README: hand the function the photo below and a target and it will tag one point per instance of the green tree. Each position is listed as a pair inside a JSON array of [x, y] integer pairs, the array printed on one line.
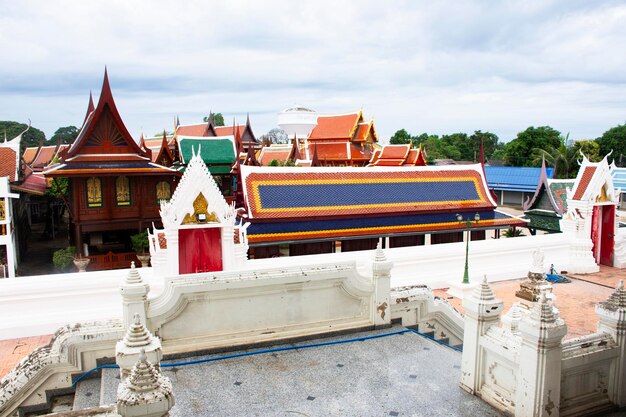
[[560, 158], [66, 135], [614, 140], [519, 152], [33, 137], [490, 144], [218, 119], [457, 146], [590, 148], [401, 137]]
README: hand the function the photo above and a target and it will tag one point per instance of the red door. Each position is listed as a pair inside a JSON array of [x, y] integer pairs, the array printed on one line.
[[606, 237], [199, 250]]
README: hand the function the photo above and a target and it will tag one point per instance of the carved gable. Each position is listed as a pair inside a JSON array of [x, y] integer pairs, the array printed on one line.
[[197, 199]]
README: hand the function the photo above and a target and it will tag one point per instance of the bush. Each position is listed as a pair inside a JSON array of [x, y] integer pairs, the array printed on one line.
[[510, 233], [139, 242], [63, 258]]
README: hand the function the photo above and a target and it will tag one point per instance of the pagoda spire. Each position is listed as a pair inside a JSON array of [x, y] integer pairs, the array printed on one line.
[[294, 155], [251, 157], [90, 107], [315, 162]]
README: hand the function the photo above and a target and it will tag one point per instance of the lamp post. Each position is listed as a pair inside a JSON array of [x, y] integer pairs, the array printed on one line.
[[468, 224]]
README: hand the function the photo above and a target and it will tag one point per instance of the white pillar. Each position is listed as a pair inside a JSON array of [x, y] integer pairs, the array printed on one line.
[[482, 310], [381, 276], [171, 234], [134, 297], [539, 383], [612, 320]]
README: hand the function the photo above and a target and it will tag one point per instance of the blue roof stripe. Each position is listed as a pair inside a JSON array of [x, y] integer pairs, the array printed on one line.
[[324, 195]]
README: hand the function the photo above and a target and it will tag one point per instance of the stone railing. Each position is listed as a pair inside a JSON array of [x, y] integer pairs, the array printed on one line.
[[73, 349], [211, 310], [525, 369]]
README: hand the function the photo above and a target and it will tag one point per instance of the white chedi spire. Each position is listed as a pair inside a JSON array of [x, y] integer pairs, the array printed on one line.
[[617, 300], [137, 334], [145, 392], [133, 276], [484, 292], [543, 312]]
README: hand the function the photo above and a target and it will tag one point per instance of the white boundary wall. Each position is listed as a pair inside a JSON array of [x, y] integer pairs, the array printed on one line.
[[95, 295]]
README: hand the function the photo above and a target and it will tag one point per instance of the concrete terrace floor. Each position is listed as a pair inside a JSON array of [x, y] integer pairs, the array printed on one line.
[[576, 301], [398, 375]]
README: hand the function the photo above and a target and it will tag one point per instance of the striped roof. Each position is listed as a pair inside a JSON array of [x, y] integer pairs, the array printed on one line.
[[371, 226], [294, 193], [278, 152]]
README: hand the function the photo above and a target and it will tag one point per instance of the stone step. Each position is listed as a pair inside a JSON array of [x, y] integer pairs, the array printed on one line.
[[108, 388], [87, 394]]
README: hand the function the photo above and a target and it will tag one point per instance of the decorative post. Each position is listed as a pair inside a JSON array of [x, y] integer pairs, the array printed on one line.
[[134, 296], [381, 276], [531, 289], [468, 224], [612, 319], [137, 339], [539, 384], [482, 310], [145, 393]]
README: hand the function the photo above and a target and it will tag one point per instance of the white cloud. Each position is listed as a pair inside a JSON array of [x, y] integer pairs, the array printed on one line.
[[425, 66]]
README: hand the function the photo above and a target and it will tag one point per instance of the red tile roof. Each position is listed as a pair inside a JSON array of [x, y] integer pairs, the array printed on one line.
[[331, 151], [584, 182], [192, 130], [228, 130], [7, 163], [33, 184], [274, 152], [29, 154], [336, 126]]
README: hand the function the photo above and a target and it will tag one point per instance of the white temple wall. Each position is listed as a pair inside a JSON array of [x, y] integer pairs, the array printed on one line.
[[437, 265]]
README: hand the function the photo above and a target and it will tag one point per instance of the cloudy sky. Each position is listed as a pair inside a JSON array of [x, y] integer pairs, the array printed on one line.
[[426, 66]]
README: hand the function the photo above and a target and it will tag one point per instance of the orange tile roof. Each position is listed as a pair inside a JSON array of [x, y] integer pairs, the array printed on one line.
[[7, 163], [412, 157], [228, 130], [270, 153], [336, 126], [29, 154], [363, 131], [331, 151], [45, 156], [192, 130], [584, 182]]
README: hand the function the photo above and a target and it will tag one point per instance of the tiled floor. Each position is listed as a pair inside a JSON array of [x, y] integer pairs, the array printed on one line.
[[14, 350], [576, 301]]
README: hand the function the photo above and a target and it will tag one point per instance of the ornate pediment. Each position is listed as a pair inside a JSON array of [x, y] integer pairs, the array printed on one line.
[[200, 213], [197, 199]]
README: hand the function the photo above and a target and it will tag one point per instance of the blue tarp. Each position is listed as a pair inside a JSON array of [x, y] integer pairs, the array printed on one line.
[[522, 179]]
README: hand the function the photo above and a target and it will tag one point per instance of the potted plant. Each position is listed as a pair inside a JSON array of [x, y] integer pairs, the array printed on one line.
[[63, 258], [139, 242]]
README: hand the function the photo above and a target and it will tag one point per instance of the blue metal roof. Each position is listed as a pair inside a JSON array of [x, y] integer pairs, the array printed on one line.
[[521, 179], [619, 178]]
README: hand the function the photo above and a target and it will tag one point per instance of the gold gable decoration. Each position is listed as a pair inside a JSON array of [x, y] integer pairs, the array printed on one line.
[[2, 211], [603, 196], [200, 210]]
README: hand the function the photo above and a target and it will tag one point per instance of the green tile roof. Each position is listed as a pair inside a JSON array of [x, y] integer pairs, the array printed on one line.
[[213, 151]]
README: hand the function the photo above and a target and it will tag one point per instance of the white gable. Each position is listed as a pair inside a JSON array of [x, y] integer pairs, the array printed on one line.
[[196, 179]]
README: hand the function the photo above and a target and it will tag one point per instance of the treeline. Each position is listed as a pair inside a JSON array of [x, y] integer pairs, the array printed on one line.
[[527, 149]]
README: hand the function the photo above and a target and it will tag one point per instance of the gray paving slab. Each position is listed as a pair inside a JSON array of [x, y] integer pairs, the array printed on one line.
[[87, 394], [108, 389], [400, 375]]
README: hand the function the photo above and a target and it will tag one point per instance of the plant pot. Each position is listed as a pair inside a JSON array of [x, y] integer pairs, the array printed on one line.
[[81, 264], [144, 258]]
